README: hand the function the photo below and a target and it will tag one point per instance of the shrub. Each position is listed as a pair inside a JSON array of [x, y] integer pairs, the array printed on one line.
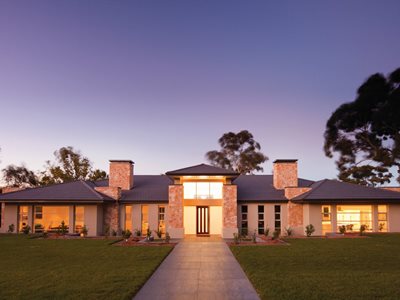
[[381, 226], [266, 231], [107, 230], [45, 235], [84, 230], [113, 232], [138, 232], [254, 237], [167, 237], [289, 230], [63, 228], [236, 238], [363, 228], [342, 229], [126, 234], [11, 228], [276, 234], [159, 233], [349, 227], [310, 229], [26, 229], [244, 232]]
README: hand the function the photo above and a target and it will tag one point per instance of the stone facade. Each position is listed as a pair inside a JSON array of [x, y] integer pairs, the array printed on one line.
[[121, 174], [285, 174], [111, 215], [229, 211], [113, 192], [295, 211], [175, 211]]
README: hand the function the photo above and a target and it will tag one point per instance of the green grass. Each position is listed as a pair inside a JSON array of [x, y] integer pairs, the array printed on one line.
[[325, 268], [73, 269]]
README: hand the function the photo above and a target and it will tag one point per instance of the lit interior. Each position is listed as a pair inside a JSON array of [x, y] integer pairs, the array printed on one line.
[[49, 218], [353, 216], [202, 190]]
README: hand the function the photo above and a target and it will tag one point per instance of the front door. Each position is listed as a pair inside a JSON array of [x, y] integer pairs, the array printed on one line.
[[202, 220]]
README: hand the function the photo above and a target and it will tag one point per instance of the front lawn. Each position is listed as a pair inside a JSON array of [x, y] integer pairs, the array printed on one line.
[[314, 268], [73, 269]]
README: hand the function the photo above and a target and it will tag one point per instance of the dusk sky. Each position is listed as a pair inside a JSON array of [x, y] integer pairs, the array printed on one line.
[[159, 82]]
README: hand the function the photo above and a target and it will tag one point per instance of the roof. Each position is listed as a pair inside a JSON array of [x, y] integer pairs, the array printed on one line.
[[202, 169], [337, 191], [63, 192], [255, 188]]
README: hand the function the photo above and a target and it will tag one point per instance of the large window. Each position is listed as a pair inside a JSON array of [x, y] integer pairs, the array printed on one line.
[[261, 219], [277, 210], [161, 218], [128, 217], [202, 190], [353, 216], [326, 219], [145, 219], [244, 220], [79, 218], [49, 218], [22, 217], [382, 218]]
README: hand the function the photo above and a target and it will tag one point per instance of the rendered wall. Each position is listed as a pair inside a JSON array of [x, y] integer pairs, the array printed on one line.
[[90, 219], [10, 216], [215, 220], [394, 217], [312, 215], [189, 216]]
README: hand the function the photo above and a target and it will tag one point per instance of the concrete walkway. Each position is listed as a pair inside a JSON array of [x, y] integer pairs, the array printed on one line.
[[198, 270]]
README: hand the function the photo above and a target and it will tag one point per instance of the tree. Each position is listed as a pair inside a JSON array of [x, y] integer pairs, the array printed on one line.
[[364, 135], [70, 165], [239, 152], [19, 176]]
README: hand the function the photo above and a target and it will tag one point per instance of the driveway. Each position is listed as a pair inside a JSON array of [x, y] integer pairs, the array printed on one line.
[[198, 270]]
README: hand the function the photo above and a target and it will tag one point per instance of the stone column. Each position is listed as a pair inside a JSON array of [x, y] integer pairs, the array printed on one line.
[[175, 211], [375, 222], [334, 218], [71, 221], [229, 211]]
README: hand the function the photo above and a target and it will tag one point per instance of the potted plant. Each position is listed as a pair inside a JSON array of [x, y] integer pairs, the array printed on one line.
[[148, 235], [126, 234], [310, 229], [84, 231], [342, 229], [11, 228]]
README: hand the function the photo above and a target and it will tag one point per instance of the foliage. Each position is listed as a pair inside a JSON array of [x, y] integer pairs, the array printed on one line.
[[236, 238], [64, 228], [239, 152], [70, 165], [11, 228], [148, 233], [113, 232], [138, 232], [244, 232], [167, 237], [381, 226], [84, 230], [288, 230], [26, 229], [159, 233], [254, 237], [276, 234], [342, 229], [349, 227], [363, 228], [126, 234], [364, 135], [19, 176], [310, 229], [107, 230], [266, 231]]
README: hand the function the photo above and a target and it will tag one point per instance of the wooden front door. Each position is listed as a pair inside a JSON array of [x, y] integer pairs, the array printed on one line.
[[202, 220]]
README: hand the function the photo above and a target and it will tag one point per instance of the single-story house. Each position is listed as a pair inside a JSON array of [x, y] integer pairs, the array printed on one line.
[[202, 200]]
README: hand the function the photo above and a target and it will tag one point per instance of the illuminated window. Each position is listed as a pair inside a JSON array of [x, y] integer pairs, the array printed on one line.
[[261, 219], [382, 218], [49, 218], [145, 219], [79, 218], [202, 190], [161, 218], [128, 217], [353, 216], [277, 210], [23, 217], [326, 219], [244, 225]]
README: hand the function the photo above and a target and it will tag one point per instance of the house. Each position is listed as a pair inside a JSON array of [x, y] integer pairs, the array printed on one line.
[[202, 200]]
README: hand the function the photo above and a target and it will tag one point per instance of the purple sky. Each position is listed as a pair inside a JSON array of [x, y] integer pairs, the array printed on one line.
[[159, 82]]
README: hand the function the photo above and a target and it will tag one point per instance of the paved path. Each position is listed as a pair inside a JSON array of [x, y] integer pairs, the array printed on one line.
[[198, 270]]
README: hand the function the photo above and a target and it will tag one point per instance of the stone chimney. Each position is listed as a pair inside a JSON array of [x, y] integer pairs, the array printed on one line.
[[121, 174], [285, 173]]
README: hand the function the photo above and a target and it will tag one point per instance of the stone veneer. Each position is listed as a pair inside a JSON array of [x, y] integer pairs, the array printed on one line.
[[295, 211], [121, 174], [285, 174], [113, 192], [112, 217], [175, 211], [229, 211]]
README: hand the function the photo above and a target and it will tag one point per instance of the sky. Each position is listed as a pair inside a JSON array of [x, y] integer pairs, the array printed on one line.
[[158, 82]]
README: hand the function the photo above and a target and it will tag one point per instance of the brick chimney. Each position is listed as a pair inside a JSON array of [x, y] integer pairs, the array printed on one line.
[[285, 173], [121, 174]]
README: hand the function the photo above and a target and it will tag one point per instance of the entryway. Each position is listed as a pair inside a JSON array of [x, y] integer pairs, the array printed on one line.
[[202, 220]]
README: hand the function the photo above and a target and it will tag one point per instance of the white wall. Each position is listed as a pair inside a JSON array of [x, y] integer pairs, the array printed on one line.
[[10, 216], [90, 219], [394, 217], [189, 219], [215, 219]]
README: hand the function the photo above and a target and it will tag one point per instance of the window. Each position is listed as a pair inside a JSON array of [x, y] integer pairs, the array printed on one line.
[[382, 218], [326, 219], [79, 218], [277, 210], [244, 225], [161, 218], [261, 219], [22, 217], [128, 217], [49, 218], [202, 190], [145, 219], [353, 216]]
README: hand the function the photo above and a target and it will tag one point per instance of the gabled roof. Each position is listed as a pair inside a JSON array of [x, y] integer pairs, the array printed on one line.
[[255, 188], [337, 191], [202, 169], [63, 192]]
